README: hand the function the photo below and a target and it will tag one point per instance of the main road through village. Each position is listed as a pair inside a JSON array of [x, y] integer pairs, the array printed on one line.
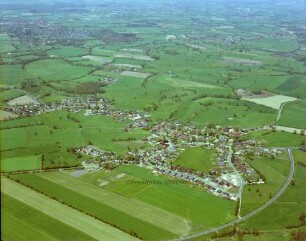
[[253, 213]]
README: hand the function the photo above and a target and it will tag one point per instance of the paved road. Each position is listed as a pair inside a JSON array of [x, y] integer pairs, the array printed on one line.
[[253, 213], [242, 182]]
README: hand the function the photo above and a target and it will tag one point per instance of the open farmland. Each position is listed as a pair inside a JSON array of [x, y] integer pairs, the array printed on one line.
[[133, 66], [24, 163], [22, 100], [186, 83], [133, 56], [242, 61], [274, 102], [136, 74], [275, 172], [4, 115], [35, 225], [54, 69], [97, 59], [67, 215], [152, 120]]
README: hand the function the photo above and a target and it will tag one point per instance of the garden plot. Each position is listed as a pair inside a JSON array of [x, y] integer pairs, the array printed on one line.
[[136, 74], [23, 100], [274, 101], [134, 56], [242, 61], [97, 59]]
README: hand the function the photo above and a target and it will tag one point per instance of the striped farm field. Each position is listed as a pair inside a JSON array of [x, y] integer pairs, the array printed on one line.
[[22, 222], [88, 227], [82, 199]]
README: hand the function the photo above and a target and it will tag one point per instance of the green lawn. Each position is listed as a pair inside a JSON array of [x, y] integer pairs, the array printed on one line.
[[196, 158], [23, 163]]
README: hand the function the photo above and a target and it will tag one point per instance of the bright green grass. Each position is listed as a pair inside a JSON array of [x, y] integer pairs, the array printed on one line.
[[21, 163], [196, 158], [227, 112], [285, 44], [293, 115], [10, 94], [7, 47], [287, 209], [276, 139], [54, 69], [22, 222], [275, 171], [183, 200], [93, 207], [12, 74], [50, 134], [68, 51]]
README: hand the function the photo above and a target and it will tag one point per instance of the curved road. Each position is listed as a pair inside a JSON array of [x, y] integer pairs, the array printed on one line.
[[253, 213]]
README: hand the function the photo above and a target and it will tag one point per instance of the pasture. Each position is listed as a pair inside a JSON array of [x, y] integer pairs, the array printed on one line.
[[293, 115], [275, 171], [54, 69], [274, 101], [288, 208], [136, 74], [276, 139], [23, 163], [134, 56], [68, 51], [197, 158], [4, 115], [22, 100]]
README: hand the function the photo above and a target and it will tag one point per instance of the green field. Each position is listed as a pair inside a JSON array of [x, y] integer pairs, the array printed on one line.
[[293, 115], [53, 69], [82, 224], [275, 171], [155, 199], [20, 221], [288, 208], [31, 138], [205, 58], [276, 139], [68, 51], [197, 158], [23, 163]]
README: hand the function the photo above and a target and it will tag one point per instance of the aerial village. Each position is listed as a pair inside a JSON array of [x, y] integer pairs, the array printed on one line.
[[167, 140]]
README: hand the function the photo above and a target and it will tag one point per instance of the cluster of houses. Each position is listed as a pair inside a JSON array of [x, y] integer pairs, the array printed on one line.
[[108, 81], [91, 105], [168, 140]]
